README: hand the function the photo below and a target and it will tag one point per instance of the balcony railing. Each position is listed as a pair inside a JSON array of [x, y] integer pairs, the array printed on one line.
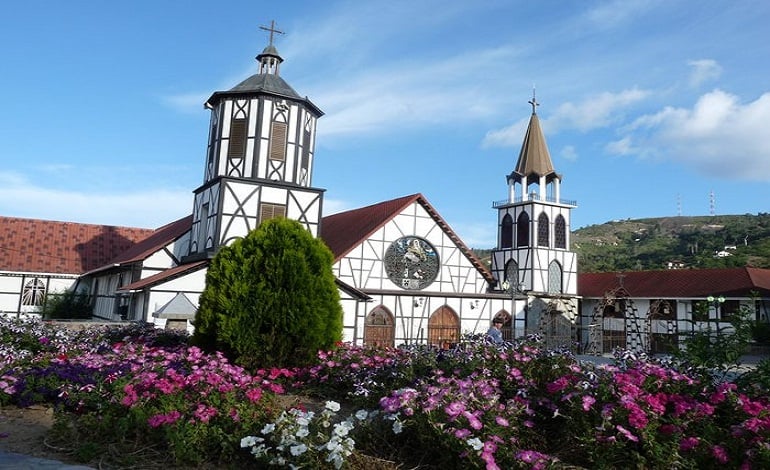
[[534, 197]]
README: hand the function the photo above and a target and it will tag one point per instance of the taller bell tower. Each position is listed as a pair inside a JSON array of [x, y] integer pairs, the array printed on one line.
[[259, 159], [532, 260]]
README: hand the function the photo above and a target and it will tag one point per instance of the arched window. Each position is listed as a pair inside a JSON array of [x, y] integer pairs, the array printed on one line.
[[542, 230], [560, 232], [522, 230], [506, 232], [512, 276], [34, 292], [443, 328], [379, 328], [554, 278]]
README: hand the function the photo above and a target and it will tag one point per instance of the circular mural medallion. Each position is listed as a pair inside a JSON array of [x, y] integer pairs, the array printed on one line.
[[411, 263]]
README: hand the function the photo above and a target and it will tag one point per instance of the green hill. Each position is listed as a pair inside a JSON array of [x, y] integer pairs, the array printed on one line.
[[718, 241]]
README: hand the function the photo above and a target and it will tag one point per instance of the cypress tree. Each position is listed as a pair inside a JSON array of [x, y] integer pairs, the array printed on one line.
[[270, 298]]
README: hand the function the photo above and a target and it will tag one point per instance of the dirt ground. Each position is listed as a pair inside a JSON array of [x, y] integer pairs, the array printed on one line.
[[23, 431]]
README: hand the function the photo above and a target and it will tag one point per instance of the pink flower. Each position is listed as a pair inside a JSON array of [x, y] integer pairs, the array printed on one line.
[[502, 421], [688, 443], [473, 420], [462, 433], [454, 409], [588, 402], [254, 394], [625, 432], [720, 454]]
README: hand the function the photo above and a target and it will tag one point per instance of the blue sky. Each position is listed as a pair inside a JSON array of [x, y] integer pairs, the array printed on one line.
[[648, 107]]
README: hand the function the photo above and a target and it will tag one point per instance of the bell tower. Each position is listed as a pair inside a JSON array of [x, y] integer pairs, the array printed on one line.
[[533, 257], [259, 158]]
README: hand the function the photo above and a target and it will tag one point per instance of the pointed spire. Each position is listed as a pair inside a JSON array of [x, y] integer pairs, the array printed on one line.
[[269, 60], [534, 158]]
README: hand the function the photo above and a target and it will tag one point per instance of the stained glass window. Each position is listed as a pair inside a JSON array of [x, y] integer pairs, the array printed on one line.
[[411, 263]]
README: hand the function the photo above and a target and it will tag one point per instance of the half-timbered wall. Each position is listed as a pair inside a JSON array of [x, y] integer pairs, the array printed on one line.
[[533, 258], [275, 140], [458, 285]]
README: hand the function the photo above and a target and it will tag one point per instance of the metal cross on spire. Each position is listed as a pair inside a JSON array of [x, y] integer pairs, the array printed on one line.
[[533, 101], [272, 30]]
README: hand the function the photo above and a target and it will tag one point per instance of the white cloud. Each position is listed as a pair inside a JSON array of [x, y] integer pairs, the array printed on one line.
[[150, 208], [509, 136], [410, 94], [703, 70], [186, 102], [719, 136], [568, 153], [615, 13], [620, 147], [597, 111]]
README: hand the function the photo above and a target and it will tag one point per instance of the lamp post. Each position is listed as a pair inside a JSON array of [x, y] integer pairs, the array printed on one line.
[[716, 302]]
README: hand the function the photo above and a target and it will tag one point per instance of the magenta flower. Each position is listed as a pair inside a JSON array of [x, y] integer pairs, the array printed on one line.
[[720, 454], [588, 402], [626, 433], [688, 443], [454, 409]]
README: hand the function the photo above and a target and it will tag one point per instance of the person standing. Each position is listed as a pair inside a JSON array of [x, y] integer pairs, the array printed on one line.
[[495, 334]]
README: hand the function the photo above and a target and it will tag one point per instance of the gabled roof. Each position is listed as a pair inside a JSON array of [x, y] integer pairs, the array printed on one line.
[[534, 158], [178, 308], [157, 240], [44, 246], [678, 283], [344, 231], [165, 276]]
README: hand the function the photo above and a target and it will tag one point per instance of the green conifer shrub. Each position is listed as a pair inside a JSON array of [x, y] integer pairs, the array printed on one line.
[[270, 298]]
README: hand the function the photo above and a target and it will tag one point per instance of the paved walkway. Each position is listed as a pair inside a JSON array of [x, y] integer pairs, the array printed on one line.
[[13, 461]]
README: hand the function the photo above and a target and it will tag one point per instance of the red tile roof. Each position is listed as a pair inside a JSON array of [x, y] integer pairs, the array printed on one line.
[[682, 283], [344, 231], [156, 241], [44, 246]]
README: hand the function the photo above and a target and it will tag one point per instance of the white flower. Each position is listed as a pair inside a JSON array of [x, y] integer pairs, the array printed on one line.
[[269, 427], [299, 449], [476, 443], [333, 406], [397, 427], [248, 441], [362, 415], [302, 432], [342, 429]]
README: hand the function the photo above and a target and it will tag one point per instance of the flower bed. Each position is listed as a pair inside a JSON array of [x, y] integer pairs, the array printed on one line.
[[475, 406]]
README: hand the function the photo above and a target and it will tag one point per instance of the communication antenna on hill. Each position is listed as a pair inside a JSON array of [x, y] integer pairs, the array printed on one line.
[[678, 204], [712, 202]]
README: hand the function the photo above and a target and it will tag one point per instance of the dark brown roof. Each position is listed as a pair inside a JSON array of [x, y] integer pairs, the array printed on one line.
[[165, 276], [344, 231], [44, 246], [678, 283]]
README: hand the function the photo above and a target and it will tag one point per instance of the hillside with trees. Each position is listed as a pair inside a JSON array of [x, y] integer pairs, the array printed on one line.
[[718, 241]]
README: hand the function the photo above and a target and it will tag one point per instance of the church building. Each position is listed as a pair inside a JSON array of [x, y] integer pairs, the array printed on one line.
[[403, 274]]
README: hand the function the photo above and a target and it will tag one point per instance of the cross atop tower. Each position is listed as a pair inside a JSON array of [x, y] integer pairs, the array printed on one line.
[[533, 101], [272, 30]]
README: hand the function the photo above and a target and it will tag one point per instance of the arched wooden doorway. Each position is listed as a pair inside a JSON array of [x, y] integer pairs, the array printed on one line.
[[443, 328], [379, 328]]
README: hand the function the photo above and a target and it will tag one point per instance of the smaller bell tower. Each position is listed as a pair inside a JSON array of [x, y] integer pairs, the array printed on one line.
[[259, 158], [532, 259]]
